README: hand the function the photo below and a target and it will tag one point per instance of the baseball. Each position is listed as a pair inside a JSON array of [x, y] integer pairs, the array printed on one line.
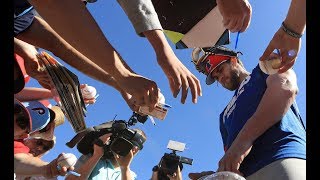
[[89, 92], [275, 63], [266, 66], [67, 160]]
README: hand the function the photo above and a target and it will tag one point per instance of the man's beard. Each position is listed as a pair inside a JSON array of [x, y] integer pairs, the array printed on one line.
[[234, 81]]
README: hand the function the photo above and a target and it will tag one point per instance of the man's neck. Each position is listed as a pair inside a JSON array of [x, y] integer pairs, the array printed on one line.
[[114, 163], [243, 75]]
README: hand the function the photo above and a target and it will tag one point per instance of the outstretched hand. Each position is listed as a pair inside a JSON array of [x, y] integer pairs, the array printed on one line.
[[180, 78], [144, 91], [52, 169], [130, 101], [289, 48], [236, 14], [32, 66], [87, 101]]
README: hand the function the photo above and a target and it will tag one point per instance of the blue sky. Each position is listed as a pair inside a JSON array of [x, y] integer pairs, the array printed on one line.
[[193, 124]]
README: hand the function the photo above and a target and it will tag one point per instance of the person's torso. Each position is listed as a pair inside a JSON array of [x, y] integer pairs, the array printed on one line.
[[285, 139], [106, 171]]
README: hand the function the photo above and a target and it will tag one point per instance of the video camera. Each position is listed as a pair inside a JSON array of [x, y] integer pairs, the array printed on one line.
[[170, 161], [121, 141]]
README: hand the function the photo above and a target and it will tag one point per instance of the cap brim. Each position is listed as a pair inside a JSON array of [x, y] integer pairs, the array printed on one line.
[[209, 79], [16, 101]]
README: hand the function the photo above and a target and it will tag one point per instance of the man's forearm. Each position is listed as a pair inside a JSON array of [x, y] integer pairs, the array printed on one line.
[[296, 17], [74, 23], [33, 94], [159, 42], [25, 164], [18, 45], [41, 31], [126, 174]]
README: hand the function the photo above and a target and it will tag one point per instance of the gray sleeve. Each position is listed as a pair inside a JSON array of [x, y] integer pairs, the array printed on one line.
[[142, 15]]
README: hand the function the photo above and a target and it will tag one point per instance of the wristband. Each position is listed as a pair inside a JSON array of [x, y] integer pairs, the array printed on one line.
[[290, 32]]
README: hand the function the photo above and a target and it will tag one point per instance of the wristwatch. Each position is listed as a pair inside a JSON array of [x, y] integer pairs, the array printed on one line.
[[99, 142]]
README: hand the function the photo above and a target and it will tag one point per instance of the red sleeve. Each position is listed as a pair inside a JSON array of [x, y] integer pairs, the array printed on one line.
[[19, 147]]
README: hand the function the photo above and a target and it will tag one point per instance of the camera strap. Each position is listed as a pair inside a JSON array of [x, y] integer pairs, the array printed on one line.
[[77, 138]]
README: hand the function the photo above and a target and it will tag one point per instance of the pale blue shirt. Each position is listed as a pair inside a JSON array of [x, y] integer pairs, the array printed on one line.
[[104, 170]]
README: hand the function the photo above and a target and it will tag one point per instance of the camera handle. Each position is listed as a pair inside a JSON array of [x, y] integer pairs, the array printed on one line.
[[77, 138]]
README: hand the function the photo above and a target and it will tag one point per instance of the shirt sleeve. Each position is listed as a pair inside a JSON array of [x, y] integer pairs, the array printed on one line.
[[19, 147], [142, 15]]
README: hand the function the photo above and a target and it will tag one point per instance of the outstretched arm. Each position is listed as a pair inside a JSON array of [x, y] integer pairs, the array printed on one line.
[[179, 77], [236, 14], [277, 99], [289, 45], [86, 168], [74, 23], [33, 94], [145, 20], [28, 53], [42, 35], [25, 164]]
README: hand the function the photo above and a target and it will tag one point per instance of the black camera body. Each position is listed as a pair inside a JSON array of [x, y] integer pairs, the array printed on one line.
[[121, 141], [169, 164]]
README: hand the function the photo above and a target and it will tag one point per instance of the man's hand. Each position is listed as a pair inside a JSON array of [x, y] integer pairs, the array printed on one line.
[[144, 91], [234, 156], [125, 161], [284, 43], [179, 77], [130, 102], [28, 52], [176, 176], [100, 150], [87, 101], [236, 14], [53, 171]]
